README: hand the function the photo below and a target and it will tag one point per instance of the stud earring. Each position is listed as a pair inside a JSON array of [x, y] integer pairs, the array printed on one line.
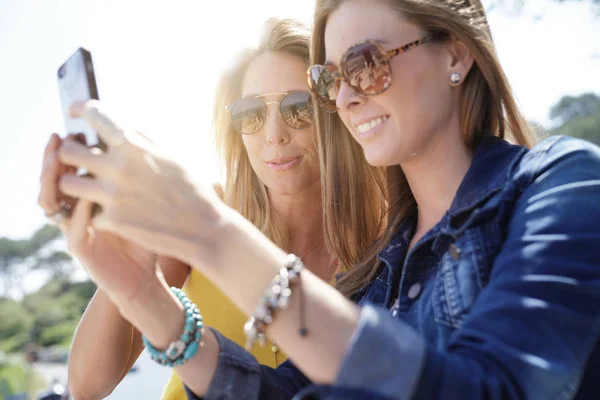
[[455, 78]]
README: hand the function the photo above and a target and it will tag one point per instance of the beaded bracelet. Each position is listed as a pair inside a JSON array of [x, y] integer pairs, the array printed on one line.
[[183, 349], [277, 296]]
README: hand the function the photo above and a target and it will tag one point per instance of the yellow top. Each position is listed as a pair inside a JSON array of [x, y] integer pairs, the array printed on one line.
[[220, 313]]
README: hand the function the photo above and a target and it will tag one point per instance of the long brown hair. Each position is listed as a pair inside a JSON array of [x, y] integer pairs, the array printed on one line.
[[243, 190], [487, 104]]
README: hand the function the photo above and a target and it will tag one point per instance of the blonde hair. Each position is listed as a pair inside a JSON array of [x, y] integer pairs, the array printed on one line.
[[243, 190], [487, 104]]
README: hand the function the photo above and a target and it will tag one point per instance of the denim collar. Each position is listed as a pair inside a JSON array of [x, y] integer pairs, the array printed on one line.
[[490, 169]]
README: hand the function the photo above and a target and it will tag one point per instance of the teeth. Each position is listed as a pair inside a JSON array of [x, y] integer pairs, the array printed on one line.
[[367, 126]]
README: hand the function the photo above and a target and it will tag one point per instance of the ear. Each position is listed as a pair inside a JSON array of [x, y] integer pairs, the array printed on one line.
[[461, 59]]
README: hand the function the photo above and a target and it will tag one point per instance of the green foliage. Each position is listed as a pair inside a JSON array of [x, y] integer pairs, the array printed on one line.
[[20, 249], [42, 237], [19, 379], [47, 317], [58, 263], [578, 117], [58, 334], [50, 315], [84, 290], [587, 128], [14, 376], [15, 343], [570, 107], [14, 253], [14, 319]]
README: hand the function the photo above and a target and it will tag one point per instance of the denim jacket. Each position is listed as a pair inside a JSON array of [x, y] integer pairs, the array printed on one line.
[[500, 300]]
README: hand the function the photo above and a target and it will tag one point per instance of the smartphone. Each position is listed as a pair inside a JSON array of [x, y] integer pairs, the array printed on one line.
[[77, 82]]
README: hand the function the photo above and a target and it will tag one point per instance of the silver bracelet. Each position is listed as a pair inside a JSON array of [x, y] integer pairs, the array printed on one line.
[[277, 296]]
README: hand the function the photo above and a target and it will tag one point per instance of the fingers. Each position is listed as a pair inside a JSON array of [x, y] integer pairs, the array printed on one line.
[[80, 222], [75, 154], [52, 145], [49, 197], [108, 130], [82, 187]]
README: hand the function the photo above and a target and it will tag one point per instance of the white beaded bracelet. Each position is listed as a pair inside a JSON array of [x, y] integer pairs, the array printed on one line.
[[277, 296]]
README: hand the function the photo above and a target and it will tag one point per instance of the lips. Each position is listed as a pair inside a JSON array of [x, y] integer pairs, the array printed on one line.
[[283, 163], [369, 124]]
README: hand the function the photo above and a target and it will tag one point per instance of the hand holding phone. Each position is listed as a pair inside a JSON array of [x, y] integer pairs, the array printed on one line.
[[77, 83]]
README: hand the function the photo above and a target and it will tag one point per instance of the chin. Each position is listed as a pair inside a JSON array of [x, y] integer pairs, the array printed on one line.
[[378, 157]]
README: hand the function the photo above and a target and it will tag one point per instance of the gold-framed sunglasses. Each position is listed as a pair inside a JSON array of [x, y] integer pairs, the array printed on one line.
[[365, 67], [248, 115]]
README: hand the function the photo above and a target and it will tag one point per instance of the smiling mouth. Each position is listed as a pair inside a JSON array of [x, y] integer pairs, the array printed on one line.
[[367, 126]]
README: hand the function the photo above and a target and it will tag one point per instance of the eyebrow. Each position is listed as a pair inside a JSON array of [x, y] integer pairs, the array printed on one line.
[[382, 41]]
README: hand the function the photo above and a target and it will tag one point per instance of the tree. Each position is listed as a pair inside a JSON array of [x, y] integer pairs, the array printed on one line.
[[58, 263], [570, 107], [14, 254], [578, 117], [42, 237]]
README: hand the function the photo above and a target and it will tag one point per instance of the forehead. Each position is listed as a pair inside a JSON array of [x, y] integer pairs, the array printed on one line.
[[355, 21], [274, 72]]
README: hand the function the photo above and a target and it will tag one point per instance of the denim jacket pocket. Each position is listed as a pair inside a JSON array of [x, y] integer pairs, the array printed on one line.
[[463, 272]]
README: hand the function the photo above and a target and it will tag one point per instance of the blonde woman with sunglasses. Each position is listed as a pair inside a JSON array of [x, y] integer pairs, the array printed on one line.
[[263, 119], [486, 281]]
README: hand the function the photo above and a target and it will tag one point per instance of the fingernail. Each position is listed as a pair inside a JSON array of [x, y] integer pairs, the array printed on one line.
[[76, 109]]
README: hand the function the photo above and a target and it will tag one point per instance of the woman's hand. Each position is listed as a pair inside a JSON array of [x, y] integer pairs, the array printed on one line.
[[144, 196], [149, 199], [116, 264]]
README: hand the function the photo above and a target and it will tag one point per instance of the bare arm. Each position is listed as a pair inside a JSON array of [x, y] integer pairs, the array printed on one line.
[[330, 317], [106, 345]]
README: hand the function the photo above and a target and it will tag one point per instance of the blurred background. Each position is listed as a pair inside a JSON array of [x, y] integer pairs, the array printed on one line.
[[157, 64]]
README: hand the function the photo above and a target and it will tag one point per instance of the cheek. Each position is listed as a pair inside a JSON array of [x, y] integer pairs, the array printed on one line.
[[252, 145], [307, 139], [344, 116], [416, 95]]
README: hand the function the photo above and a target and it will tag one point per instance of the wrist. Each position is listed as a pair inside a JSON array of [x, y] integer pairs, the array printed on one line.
[[156, 312], [240, 260]]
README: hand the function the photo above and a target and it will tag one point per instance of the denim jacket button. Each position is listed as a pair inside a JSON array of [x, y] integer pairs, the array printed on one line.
[[414, 291], [454, 252], [394, 312]]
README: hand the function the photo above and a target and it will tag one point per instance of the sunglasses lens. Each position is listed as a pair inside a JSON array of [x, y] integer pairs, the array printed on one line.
[[248, 115], [366, 70], [296, 110], [324, 86]]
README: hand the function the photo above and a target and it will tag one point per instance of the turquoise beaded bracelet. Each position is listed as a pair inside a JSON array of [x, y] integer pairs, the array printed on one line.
[[183, 349]]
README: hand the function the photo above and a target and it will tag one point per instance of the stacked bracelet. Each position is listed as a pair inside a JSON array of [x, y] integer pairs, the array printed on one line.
[[186, 346], [277, 296]]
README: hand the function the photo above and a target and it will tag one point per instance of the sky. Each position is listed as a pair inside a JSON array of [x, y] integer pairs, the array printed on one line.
[[157, 62]]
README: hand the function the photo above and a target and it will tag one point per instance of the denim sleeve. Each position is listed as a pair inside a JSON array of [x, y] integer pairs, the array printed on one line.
[[532, 330], [239, 376]]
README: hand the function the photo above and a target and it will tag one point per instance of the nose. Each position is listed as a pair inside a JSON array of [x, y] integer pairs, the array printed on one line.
[[347, 98], [276, 131]]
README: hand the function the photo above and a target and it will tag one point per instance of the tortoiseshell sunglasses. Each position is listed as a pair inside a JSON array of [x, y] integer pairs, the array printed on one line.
[[364, 67]]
